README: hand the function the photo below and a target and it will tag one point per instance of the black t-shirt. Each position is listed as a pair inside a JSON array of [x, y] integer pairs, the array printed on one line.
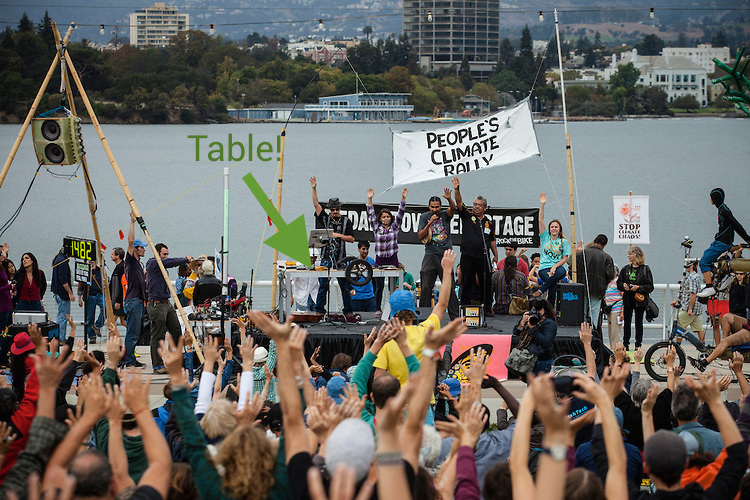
[[342, 225], [135, 278], [475, 233], [737, 299]]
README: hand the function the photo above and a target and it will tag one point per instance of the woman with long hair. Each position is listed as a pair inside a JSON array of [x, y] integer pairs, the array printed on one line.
[[555, 252], [636, 283], [31, 284], [509, 282], [386, 227]]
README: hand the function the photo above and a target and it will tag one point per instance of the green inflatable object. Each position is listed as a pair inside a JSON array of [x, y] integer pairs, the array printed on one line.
[[741, 96]]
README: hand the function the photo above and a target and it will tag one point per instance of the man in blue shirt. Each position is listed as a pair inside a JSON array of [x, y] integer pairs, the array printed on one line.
[[363, 297]]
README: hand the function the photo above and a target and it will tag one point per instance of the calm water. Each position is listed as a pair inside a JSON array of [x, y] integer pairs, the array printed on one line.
[[674, 161]]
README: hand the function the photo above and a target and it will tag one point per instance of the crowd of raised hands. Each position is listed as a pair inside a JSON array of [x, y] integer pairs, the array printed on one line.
[[219, 437]]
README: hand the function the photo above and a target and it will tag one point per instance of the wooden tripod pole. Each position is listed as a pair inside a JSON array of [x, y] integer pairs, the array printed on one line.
[[89, 191], [32, 110], [131, 202], [275, 282]]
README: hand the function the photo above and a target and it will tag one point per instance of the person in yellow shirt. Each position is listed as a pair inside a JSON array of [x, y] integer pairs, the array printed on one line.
[[391, 358], [197, 273]]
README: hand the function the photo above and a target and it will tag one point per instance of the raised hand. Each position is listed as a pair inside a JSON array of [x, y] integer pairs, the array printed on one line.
[[456, 183], [6, 438], [247, 351], [620, 353], [542, 198], [553, 415], [613, 381], [115, 351], [250, 411], [72, 325], [297, 342], [447, 193], [49, 369], [706, 387], [135, 391], [638, 355], [449, 258], [279, 332], [404, 192], [370, 193], [451, 331], [117, 409], [211, 353], [97, 401], [585, 334], [172, 356], [647, 405], [313, 182]]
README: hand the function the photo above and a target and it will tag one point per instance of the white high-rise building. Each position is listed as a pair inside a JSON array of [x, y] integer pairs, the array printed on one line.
[[703, 55], [156, 25]]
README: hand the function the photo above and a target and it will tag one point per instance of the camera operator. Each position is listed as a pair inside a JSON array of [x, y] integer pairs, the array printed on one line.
[[537, 331]]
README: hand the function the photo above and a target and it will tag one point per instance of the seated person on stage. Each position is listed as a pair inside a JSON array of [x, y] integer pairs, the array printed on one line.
[[208, 287], [732, 321], [363, 297], [508, 283], [534, 279], [511, 249]]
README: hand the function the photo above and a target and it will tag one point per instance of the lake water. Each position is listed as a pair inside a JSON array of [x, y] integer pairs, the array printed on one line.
[[675, 161]]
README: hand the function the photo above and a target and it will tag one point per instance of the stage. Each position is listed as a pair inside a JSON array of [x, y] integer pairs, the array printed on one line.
[[496, 336]]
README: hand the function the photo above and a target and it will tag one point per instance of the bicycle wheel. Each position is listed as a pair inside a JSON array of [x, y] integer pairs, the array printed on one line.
[[655, 360]]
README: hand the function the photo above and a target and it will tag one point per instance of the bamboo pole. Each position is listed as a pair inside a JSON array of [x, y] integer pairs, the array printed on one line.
[[34, 105], [131, 202], [275, 282], [570, 158], [89, 191]]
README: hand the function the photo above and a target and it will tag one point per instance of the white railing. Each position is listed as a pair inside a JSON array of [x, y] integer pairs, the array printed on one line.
[[656, 331]]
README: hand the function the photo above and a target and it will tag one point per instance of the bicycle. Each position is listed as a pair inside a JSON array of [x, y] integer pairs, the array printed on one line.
[[655, 358]]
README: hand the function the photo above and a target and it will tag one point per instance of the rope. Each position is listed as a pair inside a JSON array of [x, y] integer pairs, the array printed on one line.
[[356, 75], [15, 215], [539, 69], [307, 85]]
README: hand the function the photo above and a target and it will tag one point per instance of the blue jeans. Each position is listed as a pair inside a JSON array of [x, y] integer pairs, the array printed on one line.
[[91, 304], [134, 316], [712, 254], [593, 311], [63, 309], [550, 283], [29, 305], [320, 301]]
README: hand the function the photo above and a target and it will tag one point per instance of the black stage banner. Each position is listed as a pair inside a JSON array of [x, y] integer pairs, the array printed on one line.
[[512, 225]]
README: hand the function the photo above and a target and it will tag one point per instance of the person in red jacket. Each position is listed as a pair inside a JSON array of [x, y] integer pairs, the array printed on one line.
[[20, 415]]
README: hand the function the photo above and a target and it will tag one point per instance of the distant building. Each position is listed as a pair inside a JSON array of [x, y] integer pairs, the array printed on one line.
[[703, 55], [156, 25], [676, 75], [319, 51], [270, 111], [443, 32], [360, 107]]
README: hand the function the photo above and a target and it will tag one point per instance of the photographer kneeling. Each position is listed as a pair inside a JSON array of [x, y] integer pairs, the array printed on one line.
[[537, 330]]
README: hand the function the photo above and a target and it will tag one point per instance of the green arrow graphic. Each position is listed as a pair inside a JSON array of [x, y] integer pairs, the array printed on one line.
[[291, 239]]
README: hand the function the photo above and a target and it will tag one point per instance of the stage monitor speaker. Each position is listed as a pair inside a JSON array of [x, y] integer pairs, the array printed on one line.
[[571, 297], [474, 315], [58, 141]]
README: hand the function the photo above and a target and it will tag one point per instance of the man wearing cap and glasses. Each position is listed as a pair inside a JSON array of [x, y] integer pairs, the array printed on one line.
[[343, 232], [135, 295]]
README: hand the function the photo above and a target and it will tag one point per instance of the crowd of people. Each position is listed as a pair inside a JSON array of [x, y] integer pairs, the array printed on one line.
[[270, 421]]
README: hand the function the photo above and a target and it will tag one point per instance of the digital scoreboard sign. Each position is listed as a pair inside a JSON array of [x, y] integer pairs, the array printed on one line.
[[78, 248]]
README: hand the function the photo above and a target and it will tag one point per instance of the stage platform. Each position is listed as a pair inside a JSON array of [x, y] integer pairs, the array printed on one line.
[[497, 335]]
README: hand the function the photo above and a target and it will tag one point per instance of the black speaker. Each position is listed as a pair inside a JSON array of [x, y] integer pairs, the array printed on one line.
[[571, 296]]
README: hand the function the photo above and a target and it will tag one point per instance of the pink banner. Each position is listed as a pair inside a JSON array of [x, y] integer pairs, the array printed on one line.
[[498, 346]]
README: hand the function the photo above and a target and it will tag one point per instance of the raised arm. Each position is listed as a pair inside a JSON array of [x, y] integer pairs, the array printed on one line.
[[457, 191], [706, 387], [451, 205], [445, 286], [542, 202], [316, 203], [518, 460], [131, 234], [585, 335], [135, 395]]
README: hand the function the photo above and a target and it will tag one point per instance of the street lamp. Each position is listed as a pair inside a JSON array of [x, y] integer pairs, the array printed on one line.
[[243, 101]]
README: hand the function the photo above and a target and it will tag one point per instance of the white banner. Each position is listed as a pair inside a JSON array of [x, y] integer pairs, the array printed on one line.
[[631, 219], [498, 139]]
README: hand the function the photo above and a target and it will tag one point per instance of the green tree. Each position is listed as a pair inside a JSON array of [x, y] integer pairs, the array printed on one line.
[[464, 73], [486, 91], [651, 45], [367, 31], [25, 25], [686, 102], [626, 77], [719, 40], [400, 80], [507, 52], [653, 100], [425, 100], [226, 78], [46, 31], [507, 81]]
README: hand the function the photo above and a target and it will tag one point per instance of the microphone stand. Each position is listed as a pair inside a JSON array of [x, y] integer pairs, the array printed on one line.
[[331, 247]]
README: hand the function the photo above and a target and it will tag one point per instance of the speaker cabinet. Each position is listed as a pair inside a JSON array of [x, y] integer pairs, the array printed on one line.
[[57, 141], [571, 297]]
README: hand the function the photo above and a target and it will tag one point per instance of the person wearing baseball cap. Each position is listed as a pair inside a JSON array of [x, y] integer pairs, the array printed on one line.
[[135, 295], [391, 359]]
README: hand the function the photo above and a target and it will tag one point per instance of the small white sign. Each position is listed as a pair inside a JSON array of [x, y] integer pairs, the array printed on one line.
[[631, 220]]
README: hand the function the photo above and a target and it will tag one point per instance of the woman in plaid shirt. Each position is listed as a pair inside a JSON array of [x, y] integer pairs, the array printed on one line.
[[385, 227]]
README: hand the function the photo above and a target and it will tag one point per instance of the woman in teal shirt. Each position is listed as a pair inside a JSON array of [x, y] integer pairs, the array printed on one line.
[[555, 251]]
